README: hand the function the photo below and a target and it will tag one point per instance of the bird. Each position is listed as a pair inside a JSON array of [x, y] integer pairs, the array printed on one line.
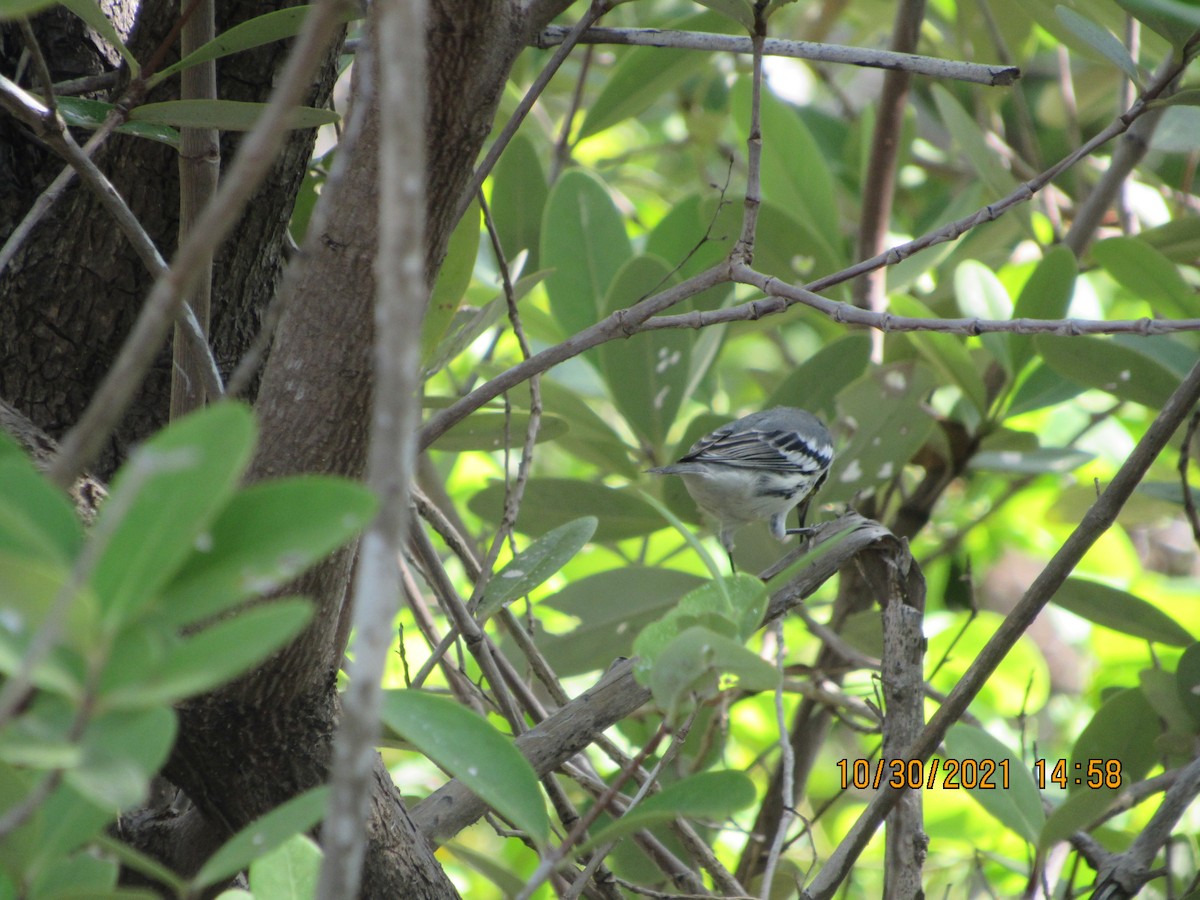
[[760, 466]]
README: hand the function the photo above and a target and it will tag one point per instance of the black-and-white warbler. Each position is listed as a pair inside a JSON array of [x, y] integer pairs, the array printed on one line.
[[759, 467]]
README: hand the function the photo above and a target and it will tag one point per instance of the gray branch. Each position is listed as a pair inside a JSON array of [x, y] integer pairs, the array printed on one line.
[[833, 53]]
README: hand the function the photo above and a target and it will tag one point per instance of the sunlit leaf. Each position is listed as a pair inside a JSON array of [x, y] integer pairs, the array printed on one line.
[[550, 502], [584, 244], [1120, 611], [1099, 39], [1013, 796], [707, 796]]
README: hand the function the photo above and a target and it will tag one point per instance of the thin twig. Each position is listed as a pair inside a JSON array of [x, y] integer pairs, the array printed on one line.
[[787, 763], [551, 860], [835, 53], [253, 161]]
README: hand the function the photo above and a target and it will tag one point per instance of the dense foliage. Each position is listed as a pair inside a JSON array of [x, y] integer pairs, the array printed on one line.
[[980, 444]]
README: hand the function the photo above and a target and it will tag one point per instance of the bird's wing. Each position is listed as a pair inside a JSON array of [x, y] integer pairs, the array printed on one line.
[[780, 451]]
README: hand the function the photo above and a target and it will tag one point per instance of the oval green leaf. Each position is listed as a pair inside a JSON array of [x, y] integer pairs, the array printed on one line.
[[535, 564], [647, 374], [471, 750], [1017, 805], [1120, 611], [262, 836], [551, 502], [708, 795], [267, 535], [584, 243], [166, 496]]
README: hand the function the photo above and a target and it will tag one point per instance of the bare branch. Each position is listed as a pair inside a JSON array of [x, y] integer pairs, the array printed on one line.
[[995, 76], [401, 296], [1124, 874]]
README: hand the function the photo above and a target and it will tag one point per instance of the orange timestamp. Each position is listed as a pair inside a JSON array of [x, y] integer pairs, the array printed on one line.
[[954, 774], [973, 774]]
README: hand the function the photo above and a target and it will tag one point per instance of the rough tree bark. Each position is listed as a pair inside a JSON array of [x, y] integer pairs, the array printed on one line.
[[251, 745], [69, 298]]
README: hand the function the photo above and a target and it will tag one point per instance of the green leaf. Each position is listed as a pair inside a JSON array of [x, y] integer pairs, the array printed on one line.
[[795, 176], [1138, 372], [1099, 39], [887, 407], [1175, 21], [946, 353], [1124, 728], [1148, 274], [262, 836], [452, 282], [589, 436], [170, 490], [518, 200], [90, 12], [289, 872], [1046, 295], [815, 383], [267, 535], [1187, 677], [584, 243], [16, 9], [612, 607], [1030, 462], [1078, 812], [83, 113], [643, 75], [489, 430], [708, 795], [36, 520], [980, 295], [1162, 691], [122, 751], [1017, 806], [647, 374], [550, 502], [1121, 611], [533, 565], [739, 11], [227, 115], [470, 322], [81, 875], [1041, 387], [465, 745], [971, 141], [217, 654], [690, 666], [256, 32]]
